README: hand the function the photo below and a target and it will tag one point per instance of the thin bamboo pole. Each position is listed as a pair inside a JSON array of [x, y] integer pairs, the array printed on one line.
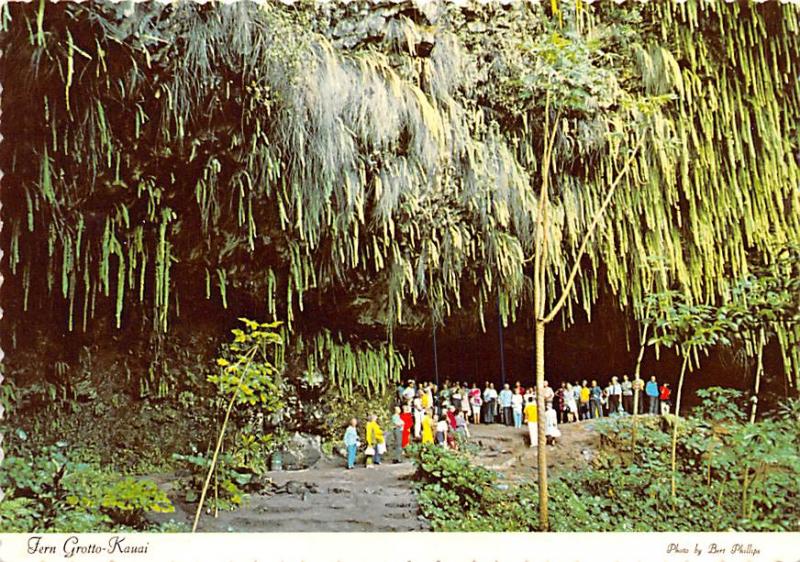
[[214, 459], [636, 392], [686, 359], [759, 374], [435, 357], [502, 346]]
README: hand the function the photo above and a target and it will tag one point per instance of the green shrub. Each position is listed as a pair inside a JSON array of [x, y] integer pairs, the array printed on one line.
[[732, 475], [47, 490], [229, 484], [456, 495], [339, 410]]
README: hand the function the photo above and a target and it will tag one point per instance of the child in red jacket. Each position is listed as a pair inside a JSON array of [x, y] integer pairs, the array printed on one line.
[[664, 396]]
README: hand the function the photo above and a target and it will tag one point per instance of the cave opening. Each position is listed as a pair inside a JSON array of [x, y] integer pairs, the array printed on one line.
[[589, 349]]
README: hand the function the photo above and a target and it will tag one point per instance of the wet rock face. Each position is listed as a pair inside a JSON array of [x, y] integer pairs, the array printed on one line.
[[403, 23], [302, 451]]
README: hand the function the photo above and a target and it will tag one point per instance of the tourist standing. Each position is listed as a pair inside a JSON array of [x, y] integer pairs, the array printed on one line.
[[549, 394], [560, 403], [462, 425], [441, 431], [586, 395], [419, 412], [397, 433], [490, 397], [410, 391], [627, 394], [477, 402], [531, 418], [516, 407], [444, 398], [595, 401], [432, 397], [664, 398], [375, 439], [638, 390], [505, 405], [551, 430], [451, 417], [351, 443], [408, 424], [572, 403], [530, 392], [425, 398], [465, 406], [615, 396], [651, 389], [455, 398], [427, 428]]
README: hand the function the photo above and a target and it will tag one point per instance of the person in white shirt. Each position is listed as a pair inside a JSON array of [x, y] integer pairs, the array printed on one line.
[[549, 394], [409, 392], [419, 412], [627, 394], [465, 405], [614, 396], [477, 403], [551, 430], [462, 424], [504, 398], [455, 398], [572, 404], [516, 408], [490, 399], [441, 432]]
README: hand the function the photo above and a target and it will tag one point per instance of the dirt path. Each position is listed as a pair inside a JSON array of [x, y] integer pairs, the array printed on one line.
[[324, 498], [507, 451], [329, 498]]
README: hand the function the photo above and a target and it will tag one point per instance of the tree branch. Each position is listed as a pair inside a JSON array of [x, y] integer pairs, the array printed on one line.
[[582, 250], [540, 250]]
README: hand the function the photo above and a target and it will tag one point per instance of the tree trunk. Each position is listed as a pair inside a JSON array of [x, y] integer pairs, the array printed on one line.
[[220, 438], [759, 373], [636, 393], [213, 466], [544, 522], [677, 420]]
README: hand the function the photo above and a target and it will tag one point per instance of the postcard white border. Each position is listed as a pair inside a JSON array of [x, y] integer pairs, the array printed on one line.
[[404, 547]]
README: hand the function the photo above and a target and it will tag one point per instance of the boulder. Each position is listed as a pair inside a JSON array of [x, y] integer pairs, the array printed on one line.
[[302, 451]]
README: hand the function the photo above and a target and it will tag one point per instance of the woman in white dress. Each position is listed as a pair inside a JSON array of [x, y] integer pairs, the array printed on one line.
[[572, 405], [465, 407], [516, 407], [419, 412], [551, 430]]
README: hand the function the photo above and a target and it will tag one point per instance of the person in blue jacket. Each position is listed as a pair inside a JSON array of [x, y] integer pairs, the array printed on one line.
[[651, 389], [596, 401], [351, 443]]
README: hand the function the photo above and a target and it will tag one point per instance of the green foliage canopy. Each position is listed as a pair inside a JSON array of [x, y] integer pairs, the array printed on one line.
[[273, 151]]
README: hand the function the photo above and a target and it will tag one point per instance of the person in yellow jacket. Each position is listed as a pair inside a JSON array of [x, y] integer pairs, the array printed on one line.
[[375, 440], [532, 417], [426, 399], [584, 400], [427, 428]]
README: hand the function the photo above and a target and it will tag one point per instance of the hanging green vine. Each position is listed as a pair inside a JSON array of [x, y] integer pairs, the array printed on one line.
[[262, 149], [351, 367]]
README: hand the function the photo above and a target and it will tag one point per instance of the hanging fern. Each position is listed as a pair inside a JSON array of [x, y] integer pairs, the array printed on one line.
[[184, 142]]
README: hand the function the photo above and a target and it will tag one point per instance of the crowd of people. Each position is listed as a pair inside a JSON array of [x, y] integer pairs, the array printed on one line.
[[428, 414]]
